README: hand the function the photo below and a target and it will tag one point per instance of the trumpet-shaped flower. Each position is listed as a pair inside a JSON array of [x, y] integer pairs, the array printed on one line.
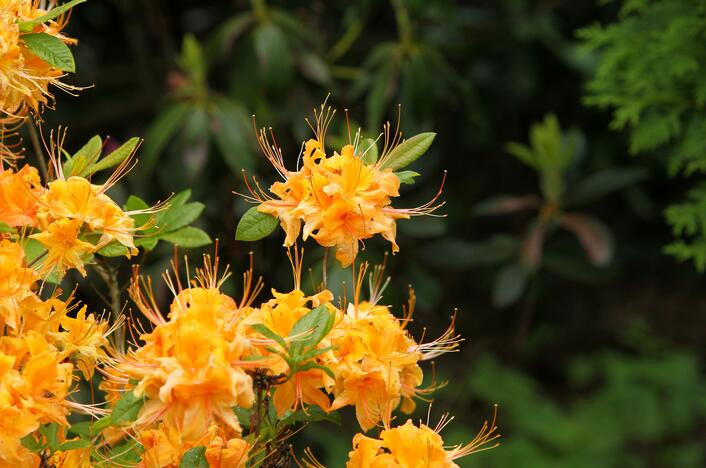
[[16, 285], [374, 358], [19, 192], [64, 248], [415, 446]]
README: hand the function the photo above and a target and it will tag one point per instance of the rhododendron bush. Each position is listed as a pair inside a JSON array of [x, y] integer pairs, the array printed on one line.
[[208, 379]]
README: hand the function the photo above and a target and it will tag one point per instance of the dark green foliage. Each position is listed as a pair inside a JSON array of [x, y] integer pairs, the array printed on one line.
[[650, 73], [634, 411]]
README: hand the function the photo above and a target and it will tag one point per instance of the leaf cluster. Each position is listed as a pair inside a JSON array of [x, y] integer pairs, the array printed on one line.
[[650, 73]]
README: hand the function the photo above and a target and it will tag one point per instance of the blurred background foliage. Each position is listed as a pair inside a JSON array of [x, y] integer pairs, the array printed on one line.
[[579, 325]]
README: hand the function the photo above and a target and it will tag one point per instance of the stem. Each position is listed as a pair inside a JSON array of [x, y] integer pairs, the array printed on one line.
[[110, 278], [325, 268], [39, 154]]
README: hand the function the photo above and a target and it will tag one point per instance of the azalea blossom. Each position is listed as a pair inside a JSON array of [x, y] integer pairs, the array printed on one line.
[[340, 199]]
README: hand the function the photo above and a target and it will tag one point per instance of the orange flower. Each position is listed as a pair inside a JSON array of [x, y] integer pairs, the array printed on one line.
[[410, 446], [84, 340], [340, 199], [16, 285], [64, 248], [34, 384], [375, 360], [76, 198], [19, 192], [165, 447]]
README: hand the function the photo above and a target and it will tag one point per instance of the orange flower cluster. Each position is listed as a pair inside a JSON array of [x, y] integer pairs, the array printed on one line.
[[166, 445], [39, 350], [412, 446], [24, 77], [341, 199], [73, 217], [191, 371]]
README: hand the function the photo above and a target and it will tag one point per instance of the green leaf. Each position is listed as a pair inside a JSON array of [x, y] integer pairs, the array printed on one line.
[[189, 237], [28, 26], [82, 428], [312, 328], [222, 40], [407, 177], [274, 54], [6, 229], [74, 444], [87, 155], [312, 365], [510, 283], [267, 333], [369, 151], [114, 249], [50, 49], [33, 250], [51, 434], [314, 67], [31, 443], [117, 156], [126, 454], [194, 458], [232, 131], [192, 60], [102, 423], [603, 183], [127, 408], [179, 213], [162, 130], [408, 151], [255, 225]]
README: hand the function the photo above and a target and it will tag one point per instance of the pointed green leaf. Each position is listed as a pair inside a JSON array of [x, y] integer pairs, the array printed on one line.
[[31, 443], [510, 283], [114, 249], [408, 151], [28, 26], [188, 237], [407, 177], [116, 157], [177, 217], [127, 408], [50, 49], [162, 130], [311, 329], [194, 458], [87, 155], [255, 225], [267, 333], [51, 434], [74, 444]]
